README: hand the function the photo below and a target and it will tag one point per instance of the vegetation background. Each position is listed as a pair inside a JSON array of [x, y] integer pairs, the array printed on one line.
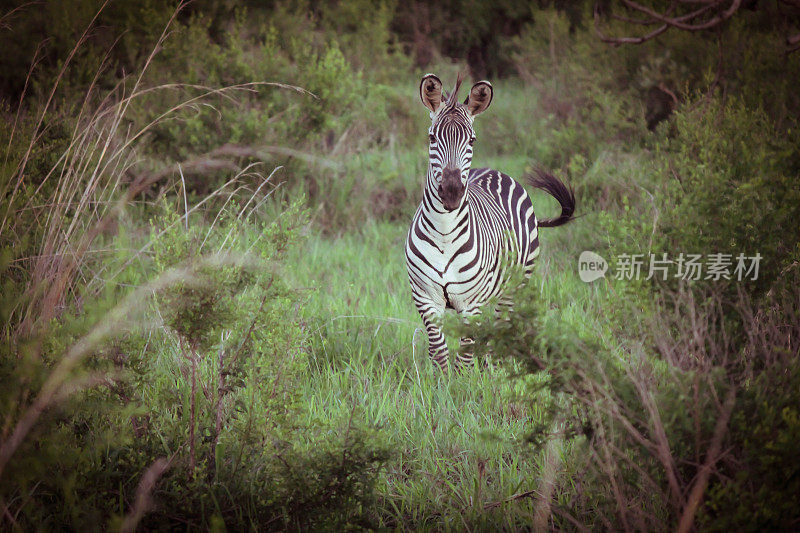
[[205, 315]]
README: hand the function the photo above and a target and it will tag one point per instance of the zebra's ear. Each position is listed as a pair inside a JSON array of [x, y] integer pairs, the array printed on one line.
[[430, 92], [479, 98]]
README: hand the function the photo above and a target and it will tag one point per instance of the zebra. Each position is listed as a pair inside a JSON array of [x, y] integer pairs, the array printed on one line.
[[471, 223]]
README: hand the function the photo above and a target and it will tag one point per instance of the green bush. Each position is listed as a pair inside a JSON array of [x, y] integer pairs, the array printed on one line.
[[623, 407], [581, 104], [55, 28], [757, 482], [757, 487], [732, 181]]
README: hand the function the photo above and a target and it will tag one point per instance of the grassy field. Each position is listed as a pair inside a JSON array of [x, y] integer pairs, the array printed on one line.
[[207, 322], [456, 437], [462, 459]]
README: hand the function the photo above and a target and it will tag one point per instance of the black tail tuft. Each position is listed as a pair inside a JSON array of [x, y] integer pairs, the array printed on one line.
[[556, 188]]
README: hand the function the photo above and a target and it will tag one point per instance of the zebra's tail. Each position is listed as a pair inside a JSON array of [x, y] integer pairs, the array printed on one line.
[[556, 188]]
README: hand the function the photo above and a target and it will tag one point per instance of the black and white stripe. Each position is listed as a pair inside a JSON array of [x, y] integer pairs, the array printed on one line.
[[471, 222]]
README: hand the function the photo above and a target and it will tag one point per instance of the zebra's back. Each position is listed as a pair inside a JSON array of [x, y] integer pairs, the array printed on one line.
[[506, 202]]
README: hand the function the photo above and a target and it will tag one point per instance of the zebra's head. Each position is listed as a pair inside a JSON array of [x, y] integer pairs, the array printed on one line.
[[451, 135]]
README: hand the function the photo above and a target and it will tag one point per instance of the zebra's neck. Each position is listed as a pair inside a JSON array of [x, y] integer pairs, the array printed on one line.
[[442, 220]]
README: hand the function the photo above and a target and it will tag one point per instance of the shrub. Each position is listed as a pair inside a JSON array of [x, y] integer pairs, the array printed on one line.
[[49, 32], [758, 477], [651, 462], [732, 183], [582, 104]]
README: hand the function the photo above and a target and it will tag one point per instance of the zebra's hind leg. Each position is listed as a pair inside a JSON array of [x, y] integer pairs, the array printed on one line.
[[505, 306], [464, 357], [502, 310]]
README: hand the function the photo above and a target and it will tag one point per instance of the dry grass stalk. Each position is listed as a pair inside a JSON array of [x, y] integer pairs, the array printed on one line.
[[547, 486], [117, 320], [88, 199], [144, 494]]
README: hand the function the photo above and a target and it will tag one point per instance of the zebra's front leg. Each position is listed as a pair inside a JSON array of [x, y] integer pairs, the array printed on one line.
[[437, 347]]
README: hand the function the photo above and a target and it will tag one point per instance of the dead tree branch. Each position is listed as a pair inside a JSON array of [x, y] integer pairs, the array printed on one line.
[[691, 21], [712, 456]]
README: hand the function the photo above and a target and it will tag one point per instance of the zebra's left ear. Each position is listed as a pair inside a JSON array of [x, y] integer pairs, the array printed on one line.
[[479, 98]]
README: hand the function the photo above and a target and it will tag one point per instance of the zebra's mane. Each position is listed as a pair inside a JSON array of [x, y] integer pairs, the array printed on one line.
[[452, 99]]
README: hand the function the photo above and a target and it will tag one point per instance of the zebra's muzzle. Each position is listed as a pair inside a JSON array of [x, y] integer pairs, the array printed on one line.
[[451, 190]]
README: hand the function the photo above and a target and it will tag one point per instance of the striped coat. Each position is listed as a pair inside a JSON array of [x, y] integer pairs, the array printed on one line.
[[471, 222]]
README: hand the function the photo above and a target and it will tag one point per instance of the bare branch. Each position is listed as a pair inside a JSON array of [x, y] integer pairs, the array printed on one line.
[[661, 442], [144, 494], [629, 20], [679, 21], [647, 22], [682, 22], [712, 456], [626, 40]]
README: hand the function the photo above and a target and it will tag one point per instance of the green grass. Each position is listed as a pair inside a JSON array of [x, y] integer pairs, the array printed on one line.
[[459, 439], [456, 436]]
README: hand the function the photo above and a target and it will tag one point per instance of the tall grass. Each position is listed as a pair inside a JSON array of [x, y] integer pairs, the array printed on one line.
[[69, 292], [458, 438], [98, 174]]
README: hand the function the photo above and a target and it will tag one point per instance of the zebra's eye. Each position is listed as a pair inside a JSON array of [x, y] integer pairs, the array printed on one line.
[[432, 137], [471, 141]]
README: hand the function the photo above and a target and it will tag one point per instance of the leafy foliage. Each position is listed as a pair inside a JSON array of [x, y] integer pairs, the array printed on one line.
[[733, 181]]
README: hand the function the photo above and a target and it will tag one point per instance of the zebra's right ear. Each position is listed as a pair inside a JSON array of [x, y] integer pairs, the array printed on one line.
[[430, 92]]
